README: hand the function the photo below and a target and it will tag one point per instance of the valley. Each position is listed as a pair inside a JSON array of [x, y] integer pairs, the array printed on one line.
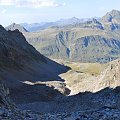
[[63, 70]]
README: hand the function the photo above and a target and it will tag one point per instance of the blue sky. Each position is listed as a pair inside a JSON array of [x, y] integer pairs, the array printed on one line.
[[31, 11]]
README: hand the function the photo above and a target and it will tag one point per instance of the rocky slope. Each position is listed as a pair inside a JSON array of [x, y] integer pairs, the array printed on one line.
[[81, 42], [20, 62], [110, 77], [107, 110]]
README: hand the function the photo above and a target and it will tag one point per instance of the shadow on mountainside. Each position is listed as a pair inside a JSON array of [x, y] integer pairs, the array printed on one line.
[[44, 99], [33, 93], [87, 100]]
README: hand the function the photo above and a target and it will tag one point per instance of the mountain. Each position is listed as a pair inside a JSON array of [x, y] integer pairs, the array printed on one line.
[[111, 20], [15, 26], [77, 40], [36, 26], [112, 16], [95, 40], [69, 21]]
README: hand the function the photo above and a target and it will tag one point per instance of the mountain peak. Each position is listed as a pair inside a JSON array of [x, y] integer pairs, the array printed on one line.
[[15, 26], [114, 12], [111, 16], [75, 18]]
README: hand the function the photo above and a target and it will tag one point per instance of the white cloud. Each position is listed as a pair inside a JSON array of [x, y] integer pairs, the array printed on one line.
[[31, 3], [6, 2]]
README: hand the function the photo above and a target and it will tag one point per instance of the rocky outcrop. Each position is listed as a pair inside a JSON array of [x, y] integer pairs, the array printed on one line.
[[110, 77], [7, 109]]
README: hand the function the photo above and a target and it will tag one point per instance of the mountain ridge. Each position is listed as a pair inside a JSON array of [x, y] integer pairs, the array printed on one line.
[[61, 41], [43, 25]]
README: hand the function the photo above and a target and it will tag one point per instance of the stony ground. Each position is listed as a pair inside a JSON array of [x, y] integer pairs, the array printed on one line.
[[105, 113]]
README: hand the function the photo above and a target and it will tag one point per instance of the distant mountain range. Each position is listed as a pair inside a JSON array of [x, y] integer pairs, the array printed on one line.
[[84, 40], [62, 22]]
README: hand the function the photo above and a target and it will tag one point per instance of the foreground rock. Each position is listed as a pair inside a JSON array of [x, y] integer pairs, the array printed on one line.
[[8, 111]]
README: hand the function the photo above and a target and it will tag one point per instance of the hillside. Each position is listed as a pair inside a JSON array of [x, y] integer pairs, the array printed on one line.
[[20, 62]]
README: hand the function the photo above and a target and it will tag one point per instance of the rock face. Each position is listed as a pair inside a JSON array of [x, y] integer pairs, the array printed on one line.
[[90, 41]]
